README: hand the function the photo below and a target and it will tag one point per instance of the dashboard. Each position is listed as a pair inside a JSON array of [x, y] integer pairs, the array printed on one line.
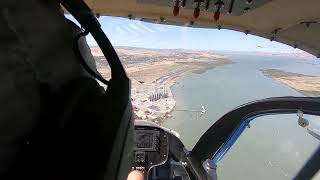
[[159, 153], [151, 148]]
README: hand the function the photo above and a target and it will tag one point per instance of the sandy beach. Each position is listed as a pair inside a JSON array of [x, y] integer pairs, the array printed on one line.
[[306, 85], [154, 71]]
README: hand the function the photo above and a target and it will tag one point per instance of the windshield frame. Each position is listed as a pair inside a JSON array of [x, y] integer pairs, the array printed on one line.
[[218, 139]]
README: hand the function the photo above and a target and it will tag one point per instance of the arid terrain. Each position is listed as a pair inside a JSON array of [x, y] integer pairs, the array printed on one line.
[[154, 71], [149, 65], [306, 85]]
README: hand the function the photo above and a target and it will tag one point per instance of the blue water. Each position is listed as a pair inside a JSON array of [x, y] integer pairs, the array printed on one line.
[[275, 147]]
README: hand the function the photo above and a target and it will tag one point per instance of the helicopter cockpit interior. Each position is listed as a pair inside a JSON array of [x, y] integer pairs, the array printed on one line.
[[90, 132]]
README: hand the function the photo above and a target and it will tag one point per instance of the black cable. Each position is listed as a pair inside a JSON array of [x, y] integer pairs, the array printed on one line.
[[82, 61]]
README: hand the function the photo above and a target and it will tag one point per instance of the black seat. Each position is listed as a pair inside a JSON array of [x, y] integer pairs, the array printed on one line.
[[78, 130]]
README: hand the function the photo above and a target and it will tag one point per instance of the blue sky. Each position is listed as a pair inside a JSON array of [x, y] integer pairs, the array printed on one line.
[[125, 32]]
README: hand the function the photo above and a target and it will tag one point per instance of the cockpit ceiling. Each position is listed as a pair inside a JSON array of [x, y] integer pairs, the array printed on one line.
[[292, 22]]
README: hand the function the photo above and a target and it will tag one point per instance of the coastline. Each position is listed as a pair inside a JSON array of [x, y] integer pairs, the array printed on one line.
[[161, 109], [305, 84], [154, 72]]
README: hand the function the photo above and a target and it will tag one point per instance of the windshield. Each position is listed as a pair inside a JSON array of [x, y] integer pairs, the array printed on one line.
[[186, 78]]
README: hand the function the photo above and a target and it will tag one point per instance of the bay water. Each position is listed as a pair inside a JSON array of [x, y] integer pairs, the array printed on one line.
[[275, 147]]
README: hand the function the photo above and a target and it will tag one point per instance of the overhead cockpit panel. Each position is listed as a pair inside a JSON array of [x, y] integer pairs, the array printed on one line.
[[231, 7], [278, 20]]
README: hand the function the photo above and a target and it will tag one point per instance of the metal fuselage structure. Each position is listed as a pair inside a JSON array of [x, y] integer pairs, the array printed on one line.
[[292, 22]]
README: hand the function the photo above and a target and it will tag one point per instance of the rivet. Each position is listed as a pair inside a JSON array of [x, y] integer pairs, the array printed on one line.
[[275, 31], [162, 19]]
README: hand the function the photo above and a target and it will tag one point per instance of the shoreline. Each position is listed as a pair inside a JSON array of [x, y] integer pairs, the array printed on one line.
[[304, 84], [153, 73], [170, 80]]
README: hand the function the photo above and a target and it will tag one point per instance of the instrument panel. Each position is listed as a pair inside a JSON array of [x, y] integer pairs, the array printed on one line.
[[147, 140], [151, 148]]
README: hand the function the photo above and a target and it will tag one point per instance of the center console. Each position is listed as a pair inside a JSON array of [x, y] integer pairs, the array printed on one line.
[[151, 148]]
